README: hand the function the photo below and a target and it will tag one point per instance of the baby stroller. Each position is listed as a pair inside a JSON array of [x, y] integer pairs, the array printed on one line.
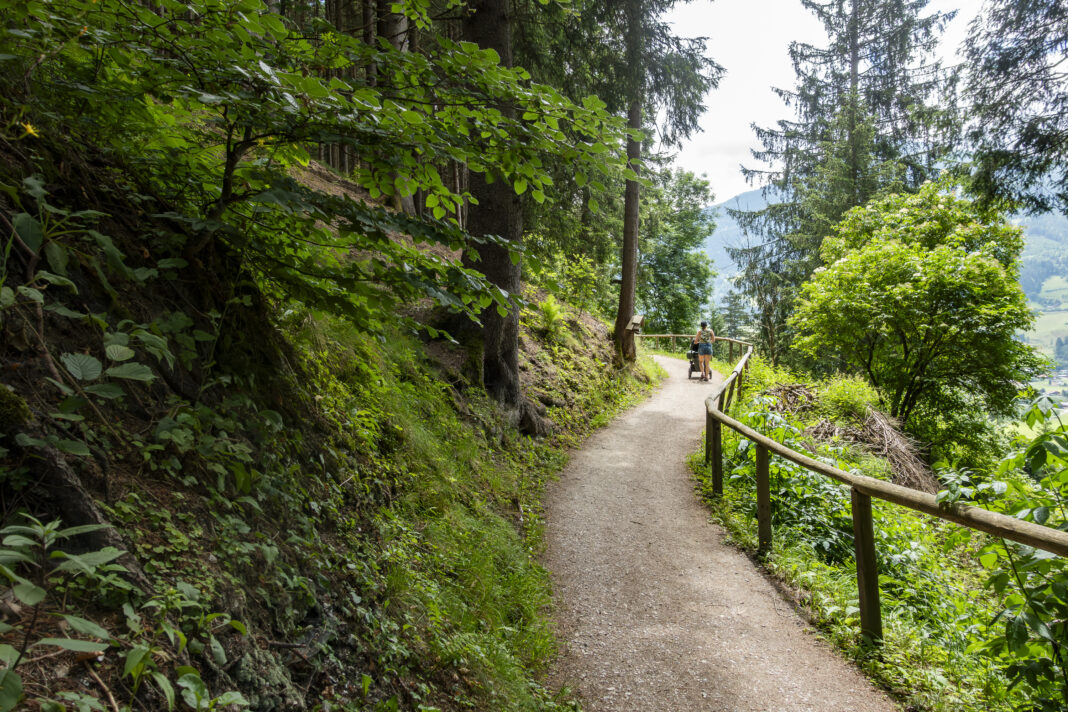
[[695, 363]]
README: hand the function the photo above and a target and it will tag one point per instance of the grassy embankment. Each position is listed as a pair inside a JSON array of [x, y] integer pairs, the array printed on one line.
[[935, 606], [348, 527]]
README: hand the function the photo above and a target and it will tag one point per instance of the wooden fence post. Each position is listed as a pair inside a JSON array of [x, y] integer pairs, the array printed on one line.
[[672, 343], [730, 359], [717, 457], [763, 482], [708, 435], [871, 619]]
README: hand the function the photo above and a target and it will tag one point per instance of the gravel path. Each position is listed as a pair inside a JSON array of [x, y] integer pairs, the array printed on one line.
[[656, 612]]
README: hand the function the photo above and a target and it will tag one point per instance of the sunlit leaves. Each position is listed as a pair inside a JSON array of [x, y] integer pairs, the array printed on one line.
[[216, 113], [1028, 636], [920, 295]]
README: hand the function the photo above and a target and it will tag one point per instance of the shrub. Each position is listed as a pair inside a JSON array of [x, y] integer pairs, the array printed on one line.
[[551, 318], [936, 613], [845, 398]]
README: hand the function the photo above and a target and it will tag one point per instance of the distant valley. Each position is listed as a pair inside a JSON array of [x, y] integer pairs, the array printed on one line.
[[1043, 273]]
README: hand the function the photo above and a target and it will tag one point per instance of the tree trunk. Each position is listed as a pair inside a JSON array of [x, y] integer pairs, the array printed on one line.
[[497, 213], [625, 339], [368, 17], [635, 83], [395, 28], [854, 101]]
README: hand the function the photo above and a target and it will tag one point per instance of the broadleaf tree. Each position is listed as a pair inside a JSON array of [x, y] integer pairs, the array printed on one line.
[[214, 117], [674, 283], [920, 295]]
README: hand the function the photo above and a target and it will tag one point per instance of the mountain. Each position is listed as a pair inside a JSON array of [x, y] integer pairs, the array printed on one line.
[[728, 233], [1043, 269], [1045, 256]]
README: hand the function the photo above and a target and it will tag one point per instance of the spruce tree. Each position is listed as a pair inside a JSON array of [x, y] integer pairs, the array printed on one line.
[[1018, 83], [736, 317], [872, 112]]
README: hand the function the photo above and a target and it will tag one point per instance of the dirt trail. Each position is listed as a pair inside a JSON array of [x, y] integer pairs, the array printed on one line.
[[656, 612]]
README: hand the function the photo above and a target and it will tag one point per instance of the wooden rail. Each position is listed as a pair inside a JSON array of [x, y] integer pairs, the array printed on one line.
[[862, 490]]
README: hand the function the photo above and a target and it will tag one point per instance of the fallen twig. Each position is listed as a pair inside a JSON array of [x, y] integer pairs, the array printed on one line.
[[107, 691]]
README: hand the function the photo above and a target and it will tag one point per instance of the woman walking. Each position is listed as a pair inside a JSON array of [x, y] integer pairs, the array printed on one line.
[[704, 338]]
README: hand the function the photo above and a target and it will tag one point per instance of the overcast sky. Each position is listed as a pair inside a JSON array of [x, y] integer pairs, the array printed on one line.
[[750, 38]]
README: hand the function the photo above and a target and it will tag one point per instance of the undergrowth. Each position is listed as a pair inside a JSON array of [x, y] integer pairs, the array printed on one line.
[[230, 476], [369, 546], [936, 609]]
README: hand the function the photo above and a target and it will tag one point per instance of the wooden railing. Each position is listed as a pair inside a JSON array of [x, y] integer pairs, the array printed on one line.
[[862, 490]]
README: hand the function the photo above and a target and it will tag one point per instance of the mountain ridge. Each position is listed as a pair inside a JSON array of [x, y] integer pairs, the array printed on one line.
[[1044, 257]]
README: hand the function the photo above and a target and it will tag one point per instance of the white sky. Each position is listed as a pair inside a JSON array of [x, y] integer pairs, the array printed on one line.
[[751, 39]]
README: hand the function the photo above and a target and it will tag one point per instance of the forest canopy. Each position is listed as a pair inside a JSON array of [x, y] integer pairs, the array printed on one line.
[[211, 105]]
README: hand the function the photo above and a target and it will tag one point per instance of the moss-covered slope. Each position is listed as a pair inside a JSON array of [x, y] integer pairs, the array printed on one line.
[[315, 518]]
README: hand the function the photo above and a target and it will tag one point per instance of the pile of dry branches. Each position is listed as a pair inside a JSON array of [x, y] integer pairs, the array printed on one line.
[[879, 435], [792, 397]]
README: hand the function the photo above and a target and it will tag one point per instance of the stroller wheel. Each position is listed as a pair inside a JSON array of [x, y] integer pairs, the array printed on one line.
[[689, 374]]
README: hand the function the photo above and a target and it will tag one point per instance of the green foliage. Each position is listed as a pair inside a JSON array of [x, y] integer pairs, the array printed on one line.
[[574, 278], [551, 319], [847, 398], [860, 127], [960, 429], [936, 613], [674, 275], [457, 572], [14, 413], [1027, 636], [852, 170], [1018, 100], [809, 506], [52, 576], [626, 54], [371, 521], [920, 296], [737, 321], [212, 117], [406, 509]]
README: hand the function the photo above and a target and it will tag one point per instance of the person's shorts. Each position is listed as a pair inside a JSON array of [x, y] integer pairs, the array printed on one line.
[[704, 349]]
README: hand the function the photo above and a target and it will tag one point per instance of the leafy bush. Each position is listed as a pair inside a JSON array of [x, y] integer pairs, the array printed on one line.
[[961, 431], [574, 278], [846, 398], [926, 274], [551, 318], [43, 577], [1029, 634]]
